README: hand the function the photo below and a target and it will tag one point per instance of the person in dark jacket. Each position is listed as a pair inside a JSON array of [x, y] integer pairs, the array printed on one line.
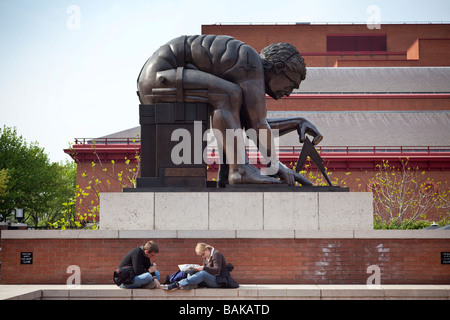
[[146, 274], [214, 267]]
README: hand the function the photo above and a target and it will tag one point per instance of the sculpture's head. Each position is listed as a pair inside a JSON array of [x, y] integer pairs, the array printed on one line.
[[284, 69]]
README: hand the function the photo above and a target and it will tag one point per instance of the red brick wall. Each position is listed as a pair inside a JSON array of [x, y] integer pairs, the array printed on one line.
[[311, 40], [423, 53], [360, 102], [270, 261]]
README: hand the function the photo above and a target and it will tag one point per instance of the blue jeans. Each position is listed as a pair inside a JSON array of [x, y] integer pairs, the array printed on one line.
[[198, 277], [141, 280]]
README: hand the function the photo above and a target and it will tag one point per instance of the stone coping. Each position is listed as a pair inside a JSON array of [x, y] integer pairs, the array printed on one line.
[[225, 234], [245, 291]]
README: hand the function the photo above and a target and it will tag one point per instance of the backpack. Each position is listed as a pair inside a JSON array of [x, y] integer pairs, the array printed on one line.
[[224, 279], [177, 276], [123, 275]]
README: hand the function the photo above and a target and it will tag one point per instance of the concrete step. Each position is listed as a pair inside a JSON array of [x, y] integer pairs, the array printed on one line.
[[244, 292]]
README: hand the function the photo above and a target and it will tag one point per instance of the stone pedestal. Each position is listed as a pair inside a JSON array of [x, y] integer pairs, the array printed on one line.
[[221, 210], [158, 123]]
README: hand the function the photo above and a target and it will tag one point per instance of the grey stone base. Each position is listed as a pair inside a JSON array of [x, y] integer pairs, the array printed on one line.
[[236, 211]]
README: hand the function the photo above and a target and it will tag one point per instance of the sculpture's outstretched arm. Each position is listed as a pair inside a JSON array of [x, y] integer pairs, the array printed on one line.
[[302, 125]]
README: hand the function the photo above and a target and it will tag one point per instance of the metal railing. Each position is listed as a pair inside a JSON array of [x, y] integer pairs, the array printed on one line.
[[346, 150], [107, 141], [371, 149], [286, 149]]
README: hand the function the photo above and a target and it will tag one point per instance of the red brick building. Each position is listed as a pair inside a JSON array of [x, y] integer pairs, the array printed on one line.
[[351, 45], [380, 94]]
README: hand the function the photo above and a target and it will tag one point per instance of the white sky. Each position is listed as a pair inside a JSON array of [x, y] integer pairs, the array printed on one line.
[[62, 78]]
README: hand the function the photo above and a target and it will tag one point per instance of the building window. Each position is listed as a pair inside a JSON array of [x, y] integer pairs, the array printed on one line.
[[356, 43]]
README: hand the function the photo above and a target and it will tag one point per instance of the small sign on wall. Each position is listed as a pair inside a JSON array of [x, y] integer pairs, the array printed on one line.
[[445, 257], [26, 258]]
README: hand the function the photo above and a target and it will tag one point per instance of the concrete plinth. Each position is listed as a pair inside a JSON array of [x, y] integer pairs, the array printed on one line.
[[236, 211]]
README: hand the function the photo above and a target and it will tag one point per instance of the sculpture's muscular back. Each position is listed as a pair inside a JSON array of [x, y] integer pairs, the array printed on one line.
[[222, 56]]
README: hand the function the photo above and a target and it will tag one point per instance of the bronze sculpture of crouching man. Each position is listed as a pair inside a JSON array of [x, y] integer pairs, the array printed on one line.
[[233, 78]]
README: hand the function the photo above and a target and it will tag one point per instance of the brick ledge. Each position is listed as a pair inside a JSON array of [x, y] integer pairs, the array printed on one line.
[[225, 234]]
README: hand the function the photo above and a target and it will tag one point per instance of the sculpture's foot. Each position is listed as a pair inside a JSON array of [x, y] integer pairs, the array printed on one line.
[[248, 174], [222, 176]]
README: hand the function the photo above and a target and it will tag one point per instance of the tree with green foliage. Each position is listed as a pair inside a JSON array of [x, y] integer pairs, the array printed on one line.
[[33, 182], [3, 182]]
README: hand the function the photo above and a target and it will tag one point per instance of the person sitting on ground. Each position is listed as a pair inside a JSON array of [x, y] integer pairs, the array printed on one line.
[[214, 267], [146, 274]]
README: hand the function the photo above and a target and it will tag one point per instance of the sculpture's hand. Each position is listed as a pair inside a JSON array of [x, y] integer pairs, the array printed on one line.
[[307, 127], [285, 174], [290, 176]]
